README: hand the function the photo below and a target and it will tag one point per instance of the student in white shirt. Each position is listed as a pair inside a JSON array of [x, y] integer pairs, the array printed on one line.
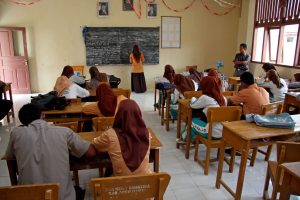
[[276, 84], [69, 72]]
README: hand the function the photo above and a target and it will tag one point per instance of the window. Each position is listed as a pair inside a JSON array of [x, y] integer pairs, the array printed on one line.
[[276, 32]]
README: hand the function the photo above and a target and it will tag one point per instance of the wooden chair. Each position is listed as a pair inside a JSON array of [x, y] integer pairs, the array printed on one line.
[[30, 192], [190, 94], [72, 125], [133, 187], [286, 152], [217, 114], [191, 66], [229, 93], [120, 91], [78, 69], [103, 123], [76, 100], [272, 108]]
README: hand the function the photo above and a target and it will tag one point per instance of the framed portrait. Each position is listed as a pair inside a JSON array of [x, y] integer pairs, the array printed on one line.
[[170, 32], [151, 10], [103, 8], [127, 5]]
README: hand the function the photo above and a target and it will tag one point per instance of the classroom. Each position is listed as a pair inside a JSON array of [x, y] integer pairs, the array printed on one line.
[[174, 62]]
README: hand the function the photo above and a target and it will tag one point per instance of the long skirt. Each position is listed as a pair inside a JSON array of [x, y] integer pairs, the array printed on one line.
[[138, 83]]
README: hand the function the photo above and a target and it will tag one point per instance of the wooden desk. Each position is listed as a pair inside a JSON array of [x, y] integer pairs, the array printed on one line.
[[243, 136], [291, 101], [7, 88], [291, 180], [116, 91], [101, 159], [184, 114], [235, 81]]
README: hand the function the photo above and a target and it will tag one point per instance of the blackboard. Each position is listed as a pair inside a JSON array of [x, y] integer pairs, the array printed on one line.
[[113, 45]]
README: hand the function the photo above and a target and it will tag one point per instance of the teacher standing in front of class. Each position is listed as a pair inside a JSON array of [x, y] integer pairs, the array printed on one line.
[[138, 83]]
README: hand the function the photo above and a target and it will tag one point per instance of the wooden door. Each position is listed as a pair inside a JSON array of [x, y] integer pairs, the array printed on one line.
[[13, 59]]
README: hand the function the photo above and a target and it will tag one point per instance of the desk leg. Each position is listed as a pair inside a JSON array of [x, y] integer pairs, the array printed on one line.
[[188, 134], [168, 112], [178, 126], [220, 164], [162, 112], [156, 160], [154, 98], [13, 170], [239, 187], [10, 97], [285, 190]]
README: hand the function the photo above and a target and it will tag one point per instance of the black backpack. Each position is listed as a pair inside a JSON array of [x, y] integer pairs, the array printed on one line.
[[114, 81], [50, 101]]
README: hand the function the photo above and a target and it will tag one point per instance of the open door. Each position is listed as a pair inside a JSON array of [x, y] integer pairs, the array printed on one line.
[[13, 59]]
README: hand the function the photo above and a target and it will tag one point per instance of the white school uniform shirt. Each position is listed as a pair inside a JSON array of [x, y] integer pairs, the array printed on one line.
[[76, 79], [75, 91], [278, 93], [42, 153], [206, 102]]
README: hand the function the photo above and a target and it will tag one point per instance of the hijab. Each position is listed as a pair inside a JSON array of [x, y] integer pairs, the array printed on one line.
[[95, 74], [107, 100], [195, 75], [67, 71], [214, 73], [169, 73], [274, 77], [183, 83], [62, 83], [211, 88], [132, 133]]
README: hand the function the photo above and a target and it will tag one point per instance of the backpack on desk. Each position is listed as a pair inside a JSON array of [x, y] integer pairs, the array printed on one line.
[[50, 101], [114, 81]]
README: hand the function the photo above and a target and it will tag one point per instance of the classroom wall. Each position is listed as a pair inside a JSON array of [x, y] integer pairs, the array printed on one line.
[[54, 37]]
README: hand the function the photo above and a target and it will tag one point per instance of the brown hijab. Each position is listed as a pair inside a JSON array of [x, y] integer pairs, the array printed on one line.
[[67, 71], [210, 88], [169, 73], [132, 133], [95, 74], [183, 83], [62, 83], [195, 75], [214, 73], [274, 77], [107, 100]]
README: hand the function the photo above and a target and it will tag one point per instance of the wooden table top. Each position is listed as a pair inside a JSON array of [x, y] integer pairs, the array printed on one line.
[[293, 169], [250, 131], [89, 136], [70, 109], [295, 94]]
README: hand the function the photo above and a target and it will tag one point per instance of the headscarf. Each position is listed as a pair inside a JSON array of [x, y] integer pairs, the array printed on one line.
[[183, 83], [132, 133], [95, 74], [62, 83], [267, 67], [214, 73], [210, 88], [195, 75], [274, 77], [107, 100], [169, 73], [67, 71]]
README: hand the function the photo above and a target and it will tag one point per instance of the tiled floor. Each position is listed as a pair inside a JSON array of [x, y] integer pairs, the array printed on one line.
[[187, 178]]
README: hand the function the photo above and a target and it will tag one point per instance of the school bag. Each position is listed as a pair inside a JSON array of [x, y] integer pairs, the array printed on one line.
[[114, 81], [50, 101]]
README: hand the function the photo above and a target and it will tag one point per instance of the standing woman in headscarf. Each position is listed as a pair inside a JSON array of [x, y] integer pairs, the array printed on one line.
[[127, 142], [69, 73], [138, 83], [107, 102], [214, 73], [96, 78], [211, 97]]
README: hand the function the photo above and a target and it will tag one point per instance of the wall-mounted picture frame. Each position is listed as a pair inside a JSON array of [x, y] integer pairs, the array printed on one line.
[[170, 32], [103, 8], [151, 10], [127, 5]]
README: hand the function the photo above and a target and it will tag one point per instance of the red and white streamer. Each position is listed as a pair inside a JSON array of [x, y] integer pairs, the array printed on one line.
[[179, 10], [24, 3], [224, 13]]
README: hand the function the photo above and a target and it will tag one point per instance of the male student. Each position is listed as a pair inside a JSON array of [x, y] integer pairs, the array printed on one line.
[[241, 61], [251, 96], [42, 151]]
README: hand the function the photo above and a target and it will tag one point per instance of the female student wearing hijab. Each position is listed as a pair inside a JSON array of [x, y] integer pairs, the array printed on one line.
[[169, 73], [107, 102], [195, 75], [138, 83], [127, 142], [214, 73], [69, 73], [96, 78], [64, 87], [182, 84], [211, 97]]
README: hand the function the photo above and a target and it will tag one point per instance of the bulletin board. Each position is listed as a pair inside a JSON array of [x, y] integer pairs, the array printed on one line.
[[170, 32]]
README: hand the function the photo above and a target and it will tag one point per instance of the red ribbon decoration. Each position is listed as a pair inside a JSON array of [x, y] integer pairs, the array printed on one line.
[[179, 10], [138, 13], [23, 3], [221, 14]]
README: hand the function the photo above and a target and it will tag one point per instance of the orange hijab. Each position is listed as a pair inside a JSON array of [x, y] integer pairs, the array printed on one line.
[[210, 88], [183, 83], [107, 100], [214, 73]]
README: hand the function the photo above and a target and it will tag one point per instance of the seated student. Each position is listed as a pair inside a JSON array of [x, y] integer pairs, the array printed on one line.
[[276, 84], [5, 105], [127, 142], [96, 78], [107, 104], [195, 75], [251, 96], [266, 67], [169, 74], [211, 97], [64, 87], [214, 73], [69, 73], [42, 151]]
